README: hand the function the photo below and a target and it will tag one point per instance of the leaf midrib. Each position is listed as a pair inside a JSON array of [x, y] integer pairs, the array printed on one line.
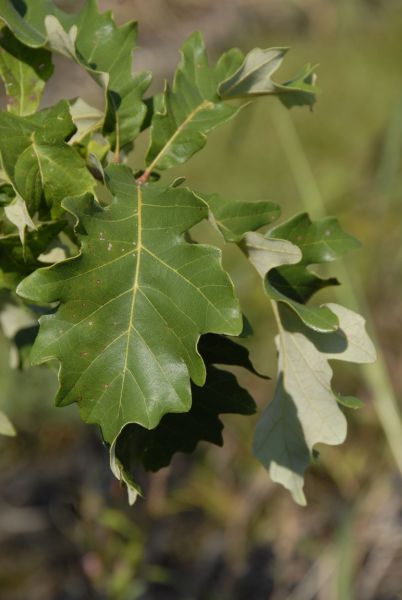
[[135, 289], [205, 105]]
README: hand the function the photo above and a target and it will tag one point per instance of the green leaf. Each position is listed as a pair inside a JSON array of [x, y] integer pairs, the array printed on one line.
[[24, 72], [132, 305], [304, 411], [293, 283], [321, 242], [38, 161], [234, 219], [112, 54], [297, 283], [27, 23], [52, 126], [191, 109], [253, 78], [266, 252], [95, 42], [319, 318]]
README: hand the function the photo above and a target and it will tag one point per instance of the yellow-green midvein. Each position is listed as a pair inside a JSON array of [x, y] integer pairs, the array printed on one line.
[[134, 288], [205, 105]]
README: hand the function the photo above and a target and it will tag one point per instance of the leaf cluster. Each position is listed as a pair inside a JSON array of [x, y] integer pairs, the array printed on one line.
[[142, 320]]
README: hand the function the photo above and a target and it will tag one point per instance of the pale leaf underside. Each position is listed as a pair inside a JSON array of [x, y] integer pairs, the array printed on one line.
[[305, 411]]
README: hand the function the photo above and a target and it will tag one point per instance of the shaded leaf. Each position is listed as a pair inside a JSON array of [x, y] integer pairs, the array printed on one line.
[[300, 90], [133, 304], [320, 242], [319, 318]]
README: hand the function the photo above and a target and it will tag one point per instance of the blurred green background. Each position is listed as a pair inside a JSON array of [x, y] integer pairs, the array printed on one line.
[[212, 526]]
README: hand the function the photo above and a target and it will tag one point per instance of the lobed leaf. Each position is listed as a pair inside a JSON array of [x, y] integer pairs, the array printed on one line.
[[321, 242], [132, 305], [266, 254], [141, 309], [191, 109], [304, 410]]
